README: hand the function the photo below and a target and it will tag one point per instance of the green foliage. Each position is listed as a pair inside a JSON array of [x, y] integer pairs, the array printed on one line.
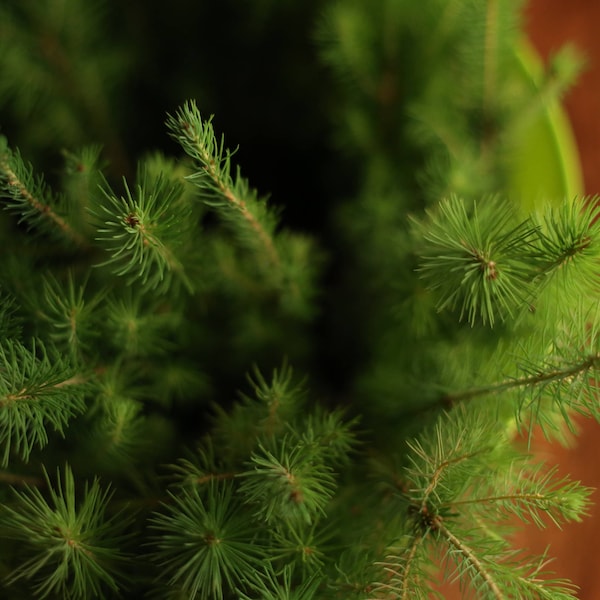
[[218, 543], [289, 485], [568, 247], [238, 510], [10, 327], [143, 234], [30, 198], [38, 392], [280, 260], [270, 588], [431, 307], [482, 256], [72, 546], [69, 314], [462, 477]]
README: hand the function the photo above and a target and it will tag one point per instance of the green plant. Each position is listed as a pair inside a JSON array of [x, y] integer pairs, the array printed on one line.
[[434, 310]]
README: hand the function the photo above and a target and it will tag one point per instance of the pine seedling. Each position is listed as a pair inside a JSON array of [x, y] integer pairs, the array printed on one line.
[[136, 290]]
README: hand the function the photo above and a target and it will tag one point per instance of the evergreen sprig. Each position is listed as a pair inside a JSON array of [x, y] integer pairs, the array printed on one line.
[[533, 493], [10, 322], [38, 391], [281, 487], [144, 233], [548, 377], [286, 263], [119, 434], [302, 545], [270, 586], [30, 198], [495, 571], [263, 416], [75, 551], [140, 326], [231, 195], [567, 377], [203, 466], [461, 476], [331, 434], [288, 483], [69, 313], [281, 396], [405, 569], [205, 545], [81, 182], [477, 258], [569, 253]]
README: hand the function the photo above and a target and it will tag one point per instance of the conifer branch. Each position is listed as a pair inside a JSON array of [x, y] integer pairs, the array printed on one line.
[[27, 196], [197, 138], [476, 257], [591, 362], [35, 393], [409, 567], [530, 493], [494, 569], [69, 314], [204, 467], [278, 499], [270, 586], [267, 413], [462, 474], [120, 432], [469, 556], [439, 472], [404, 572], [288, 484], [203, 542], [568, 251], [74, 549], [145, 233]]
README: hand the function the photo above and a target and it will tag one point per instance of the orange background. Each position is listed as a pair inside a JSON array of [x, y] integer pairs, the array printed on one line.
[[576, 548]]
